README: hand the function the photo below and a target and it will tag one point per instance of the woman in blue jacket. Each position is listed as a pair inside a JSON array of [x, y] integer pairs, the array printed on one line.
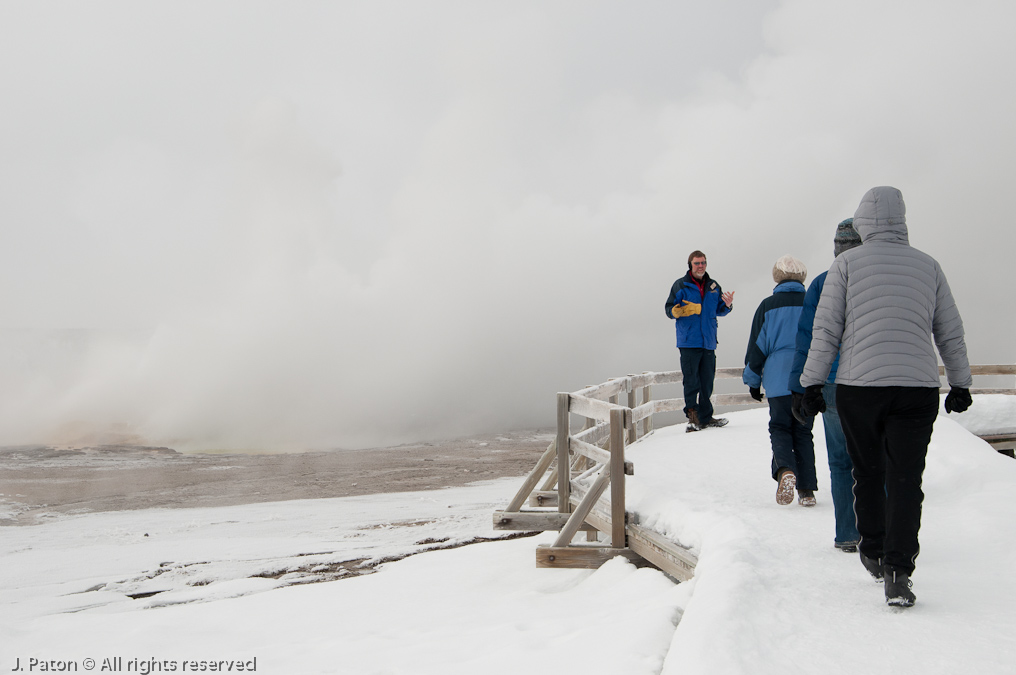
[[767, 365]]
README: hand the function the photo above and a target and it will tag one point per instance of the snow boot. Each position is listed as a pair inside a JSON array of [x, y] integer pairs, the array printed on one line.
[[806, 498], [693, 421], [897, 589], [846, 546], [716, 422], [873, 565], [785, 487]]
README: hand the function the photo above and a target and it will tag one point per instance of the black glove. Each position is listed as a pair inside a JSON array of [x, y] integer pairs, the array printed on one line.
[[796, 398], [756, 393], [957, 400], [812, 403]]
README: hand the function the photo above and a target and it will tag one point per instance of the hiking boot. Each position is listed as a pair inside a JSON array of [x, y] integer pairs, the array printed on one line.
[[693, 421], [897, 589], [846, 546], [806, 498], [716, 422], [785, 487], [873, 565]]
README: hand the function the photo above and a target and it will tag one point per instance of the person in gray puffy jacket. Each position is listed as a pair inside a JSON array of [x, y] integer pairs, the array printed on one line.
[[884, 309]]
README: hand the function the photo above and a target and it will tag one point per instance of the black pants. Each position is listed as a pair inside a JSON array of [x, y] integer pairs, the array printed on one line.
[[793, 446], [888, 430], [698, 369]]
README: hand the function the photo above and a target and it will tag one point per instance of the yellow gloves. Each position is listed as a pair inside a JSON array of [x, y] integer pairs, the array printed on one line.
[[686, 309]]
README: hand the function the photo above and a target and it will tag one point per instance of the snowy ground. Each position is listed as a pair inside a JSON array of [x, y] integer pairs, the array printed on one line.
[[164, 589]]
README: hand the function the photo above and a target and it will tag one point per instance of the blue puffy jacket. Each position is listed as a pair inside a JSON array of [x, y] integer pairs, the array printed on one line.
[[773, 334], [803, 342], [697, 330]]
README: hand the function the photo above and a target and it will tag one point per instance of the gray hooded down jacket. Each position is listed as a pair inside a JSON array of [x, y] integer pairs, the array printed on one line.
[[881, 305]]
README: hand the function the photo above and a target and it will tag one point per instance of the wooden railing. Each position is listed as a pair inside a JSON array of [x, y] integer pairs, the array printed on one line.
[[593, 459]]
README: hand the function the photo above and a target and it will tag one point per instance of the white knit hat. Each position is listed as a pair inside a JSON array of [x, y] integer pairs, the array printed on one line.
[[789, 268]]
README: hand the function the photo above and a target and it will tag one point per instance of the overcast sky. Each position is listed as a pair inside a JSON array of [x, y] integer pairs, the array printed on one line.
[[321, 224]]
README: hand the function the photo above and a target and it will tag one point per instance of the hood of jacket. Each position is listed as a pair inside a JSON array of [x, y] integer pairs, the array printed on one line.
[[882, 216]]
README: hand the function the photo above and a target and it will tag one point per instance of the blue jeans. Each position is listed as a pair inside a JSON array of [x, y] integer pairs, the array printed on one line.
[[698, 370], [793, 447], [841, 475]]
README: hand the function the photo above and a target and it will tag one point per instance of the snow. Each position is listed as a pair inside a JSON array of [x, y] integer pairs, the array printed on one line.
[[770, 594]]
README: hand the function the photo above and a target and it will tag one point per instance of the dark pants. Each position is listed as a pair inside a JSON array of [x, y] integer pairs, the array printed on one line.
[[698, 370], [888, 430], [793, 446]]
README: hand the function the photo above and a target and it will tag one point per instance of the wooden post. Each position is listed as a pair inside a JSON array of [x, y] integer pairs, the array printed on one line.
[[563, 464], [617, 529], [647, 396], [632, 432], [593, 534]]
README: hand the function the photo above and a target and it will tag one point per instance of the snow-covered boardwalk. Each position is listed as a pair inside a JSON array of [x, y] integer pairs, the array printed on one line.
[[770, 593]]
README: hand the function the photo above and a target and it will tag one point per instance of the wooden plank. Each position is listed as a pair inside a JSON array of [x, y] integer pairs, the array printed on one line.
[[592, 408], [736, 399], [724, 373], [580, 557], [603, 391], [668, 377], [533, 478], [594, 434], [541, 498], [670, 557], [589, 450], [617, 503], [533, 521], [563, 465], [1006, 369], [578, 516]]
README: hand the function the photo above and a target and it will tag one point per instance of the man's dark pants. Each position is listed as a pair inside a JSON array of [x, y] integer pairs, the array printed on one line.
[[698, 369], [888, 430]]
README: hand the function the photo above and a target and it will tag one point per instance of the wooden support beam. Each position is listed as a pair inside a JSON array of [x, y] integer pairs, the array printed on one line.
[[534, 477], [585, 506], [580, 557], [529, 521]]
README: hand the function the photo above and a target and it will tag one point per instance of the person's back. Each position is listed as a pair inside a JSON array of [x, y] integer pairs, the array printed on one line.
[[884, 308], [881, 305]]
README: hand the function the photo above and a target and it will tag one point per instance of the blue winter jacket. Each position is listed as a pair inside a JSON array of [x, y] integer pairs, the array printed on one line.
[[697, 330], [773, 334], [804, 335]]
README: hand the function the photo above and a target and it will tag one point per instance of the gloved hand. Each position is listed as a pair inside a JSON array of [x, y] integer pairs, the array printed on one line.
[[813, 403], [756, 393], [957, 400], [796, 399], [686, 308]]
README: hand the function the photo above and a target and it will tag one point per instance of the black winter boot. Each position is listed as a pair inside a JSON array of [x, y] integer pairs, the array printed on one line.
[[873, 565], [897, 589]]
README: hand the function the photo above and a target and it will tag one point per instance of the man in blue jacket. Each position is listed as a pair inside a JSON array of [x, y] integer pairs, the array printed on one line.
[[695, 301], [840, 467]]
